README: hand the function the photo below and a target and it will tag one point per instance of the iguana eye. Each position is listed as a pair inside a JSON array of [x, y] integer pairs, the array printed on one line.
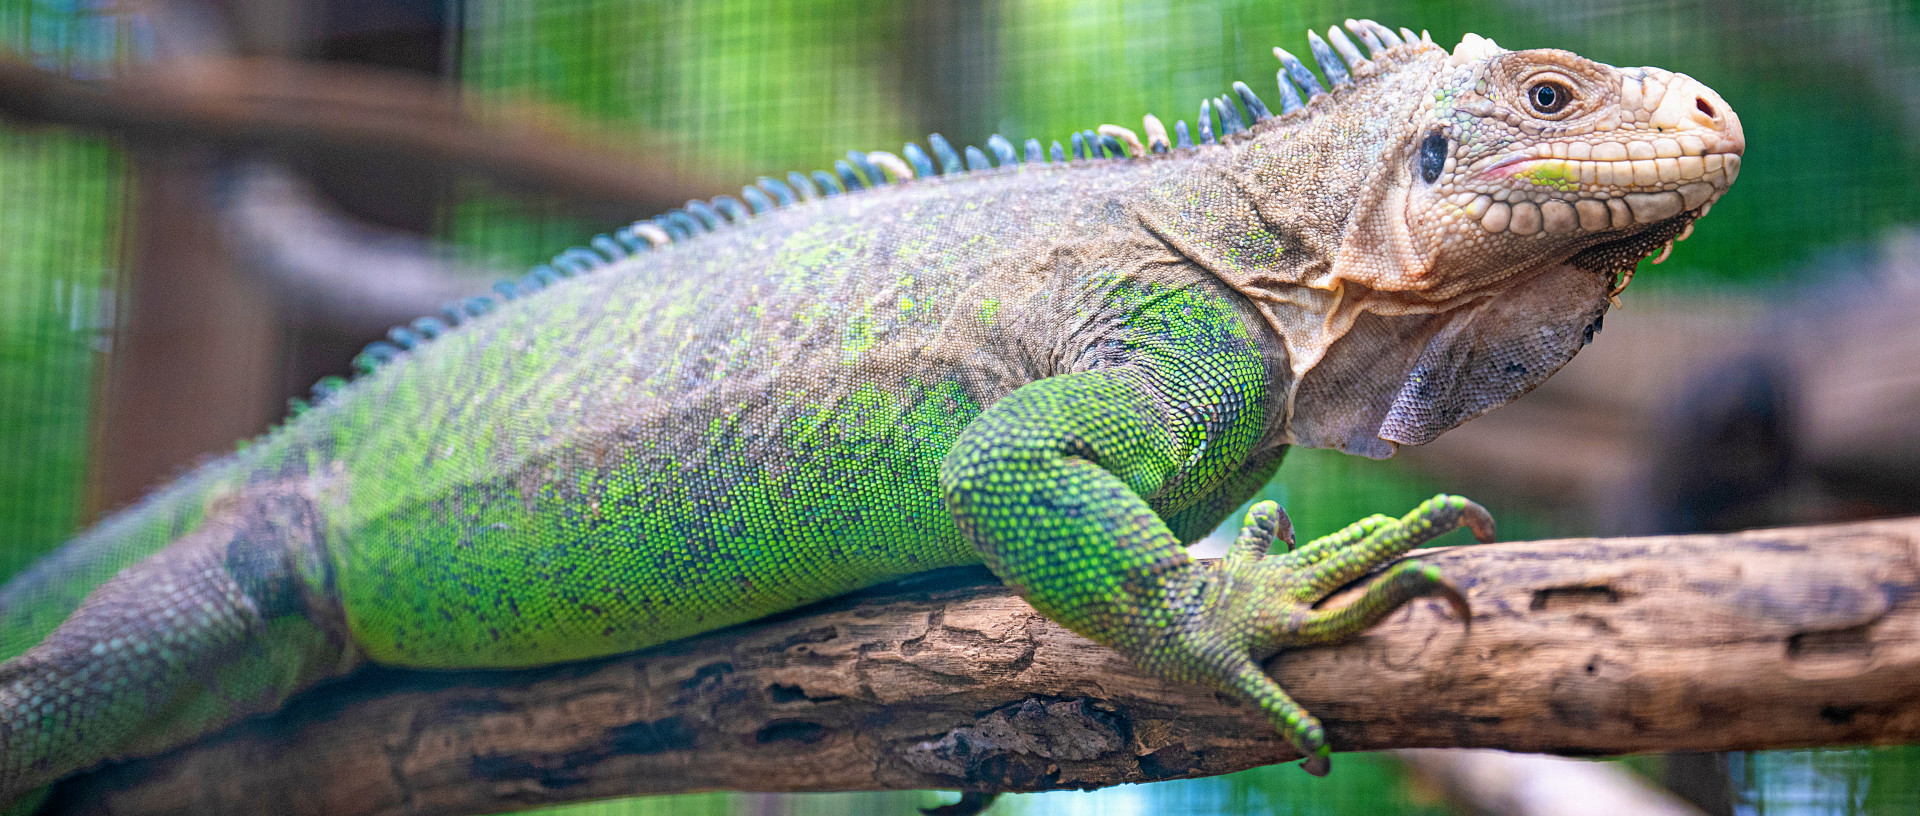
[[1549, 97], [1433, 156]]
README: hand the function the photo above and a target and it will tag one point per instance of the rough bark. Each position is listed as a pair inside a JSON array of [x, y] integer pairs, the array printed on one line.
[[1765, 639]]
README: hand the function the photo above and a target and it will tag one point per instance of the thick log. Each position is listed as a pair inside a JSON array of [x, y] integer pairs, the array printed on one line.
[[1766, 639]]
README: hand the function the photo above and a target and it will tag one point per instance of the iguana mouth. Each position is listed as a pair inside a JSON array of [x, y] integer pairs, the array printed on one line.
[[1618, 258], [1649, 190], [1615, 168]]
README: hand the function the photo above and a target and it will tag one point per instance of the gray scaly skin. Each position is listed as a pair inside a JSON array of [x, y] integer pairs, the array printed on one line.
[[1065, 370]]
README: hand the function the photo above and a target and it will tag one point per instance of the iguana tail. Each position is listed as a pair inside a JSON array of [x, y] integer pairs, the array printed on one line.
[[213, 606]]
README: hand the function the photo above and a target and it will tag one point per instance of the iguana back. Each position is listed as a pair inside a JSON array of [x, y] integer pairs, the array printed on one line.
[[710, 432]]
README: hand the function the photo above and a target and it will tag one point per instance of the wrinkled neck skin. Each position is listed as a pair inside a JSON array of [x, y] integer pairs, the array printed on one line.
[[1272, 211]]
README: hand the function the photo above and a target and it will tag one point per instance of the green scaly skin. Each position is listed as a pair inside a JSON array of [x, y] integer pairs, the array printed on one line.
[[1065, 371]]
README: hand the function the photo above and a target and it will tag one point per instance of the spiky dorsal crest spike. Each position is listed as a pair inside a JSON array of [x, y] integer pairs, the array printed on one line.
[[949, 160], [1473, 47], [803, 185], [1157, 140], [735, 212], [758, 200], [1127, 138], [1255, 108], [891, 163], [1368, 37], [922, 164], [1330, 64], [1386, 35], [829, 186], [849, 179], [1349, 53], [1298, 72], [867, 170], [1002, 150], [708, 217], [1230, 121], [781, 192], [653, 233]]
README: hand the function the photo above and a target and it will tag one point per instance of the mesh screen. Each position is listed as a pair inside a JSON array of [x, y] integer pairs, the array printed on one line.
[[59, 255]]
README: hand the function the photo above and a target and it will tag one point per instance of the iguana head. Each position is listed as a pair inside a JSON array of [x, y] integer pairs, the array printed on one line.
[[1515, 157], [1431, 233]]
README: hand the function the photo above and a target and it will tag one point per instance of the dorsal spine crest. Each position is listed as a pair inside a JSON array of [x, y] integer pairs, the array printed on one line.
[[1338, 58]]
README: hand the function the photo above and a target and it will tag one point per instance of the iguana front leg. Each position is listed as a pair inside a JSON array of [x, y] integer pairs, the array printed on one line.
[[1053, 484]]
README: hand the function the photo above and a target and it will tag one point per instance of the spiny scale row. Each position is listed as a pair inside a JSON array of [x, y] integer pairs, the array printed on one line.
[[1336, 55]]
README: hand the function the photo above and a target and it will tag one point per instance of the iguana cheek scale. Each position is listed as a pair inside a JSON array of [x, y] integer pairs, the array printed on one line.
[[1062, 368]]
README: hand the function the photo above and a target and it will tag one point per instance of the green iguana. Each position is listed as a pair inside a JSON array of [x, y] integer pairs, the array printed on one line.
[[1065, 369]]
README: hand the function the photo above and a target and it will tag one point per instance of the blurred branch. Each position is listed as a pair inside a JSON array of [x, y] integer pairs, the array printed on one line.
[[336, 269], [1497, 783], [1765, 639], [350, 113]]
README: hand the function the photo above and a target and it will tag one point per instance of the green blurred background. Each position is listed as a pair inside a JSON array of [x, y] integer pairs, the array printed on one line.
[[1829, 94]]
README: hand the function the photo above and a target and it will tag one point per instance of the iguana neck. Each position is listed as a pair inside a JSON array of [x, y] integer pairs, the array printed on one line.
[[1267, 211]]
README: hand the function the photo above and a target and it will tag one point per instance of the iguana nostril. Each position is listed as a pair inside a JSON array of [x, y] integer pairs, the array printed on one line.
[[1701, 104]]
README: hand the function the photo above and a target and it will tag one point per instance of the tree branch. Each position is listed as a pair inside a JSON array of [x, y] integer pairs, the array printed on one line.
[[305, 108], [336, 269], [1767, 639], [1479, 782]]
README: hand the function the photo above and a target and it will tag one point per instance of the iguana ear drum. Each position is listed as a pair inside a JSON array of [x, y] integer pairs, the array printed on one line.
[[1433, 156]]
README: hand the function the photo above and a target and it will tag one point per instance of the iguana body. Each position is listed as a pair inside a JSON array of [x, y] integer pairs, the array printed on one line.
[[1065, 370]]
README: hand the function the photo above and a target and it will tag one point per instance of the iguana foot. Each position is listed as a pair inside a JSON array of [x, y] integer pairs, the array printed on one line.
[[1258, 604]]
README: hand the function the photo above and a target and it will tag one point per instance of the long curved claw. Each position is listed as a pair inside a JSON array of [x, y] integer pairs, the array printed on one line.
[[1453, 596], [1478, 520], [1317, 765]]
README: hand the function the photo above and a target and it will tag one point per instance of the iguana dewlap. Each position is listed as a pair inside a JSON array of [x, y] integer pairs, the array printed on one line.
[[1066, 369]]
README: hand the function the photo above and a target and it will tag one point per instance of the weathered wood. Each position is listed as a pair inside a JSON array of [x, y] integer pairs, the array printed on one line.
[[1773, 638]]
